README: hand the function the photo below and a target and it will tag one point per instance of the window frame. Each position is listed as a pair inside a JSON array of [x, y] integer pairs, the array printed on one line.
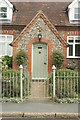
[[6, 43], [74, 43], [3, 12], [76, 13]]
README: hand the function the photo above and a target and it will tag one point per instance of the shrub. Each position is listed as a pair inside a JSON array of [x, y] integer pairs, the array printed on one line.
[[57, 59], [6, 60], [21, 58]]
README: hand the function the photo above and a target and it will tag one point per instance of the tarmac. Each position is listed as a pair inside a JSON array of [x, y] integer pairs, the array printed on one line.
[[40, 109]]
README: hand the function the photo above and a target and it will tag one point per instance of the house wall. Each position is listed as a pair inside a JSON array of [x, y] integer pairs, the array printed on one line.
[[72, 63], [64, 32], [31, 36], [11, 30]]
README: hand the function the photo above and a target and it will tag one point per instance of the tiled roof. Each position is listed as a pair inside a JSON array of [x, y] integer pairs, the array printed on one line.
[[55, 12], [53, 29]]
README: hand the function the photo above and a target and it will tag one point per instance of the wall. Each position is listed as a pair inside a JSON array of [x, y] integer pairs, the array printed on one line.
[[31, 36], [64, 32]]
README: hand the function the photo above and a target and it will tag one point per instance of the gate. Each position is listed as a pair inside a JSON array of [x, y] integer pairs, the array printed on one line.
[[61, 84], [39, 88]]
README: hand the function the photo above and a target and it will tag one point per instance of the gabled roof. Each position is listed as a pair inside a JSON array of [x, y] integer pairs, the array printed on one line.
[[40, 14], [10, 5]]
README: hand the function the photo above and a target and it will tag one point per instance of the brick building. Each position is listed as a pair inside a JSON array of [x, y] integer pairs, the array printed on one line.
[[58, 25]]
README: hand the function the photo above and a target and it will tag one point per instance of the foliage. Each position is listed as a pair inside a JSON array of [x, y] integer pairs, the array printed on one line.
[[57, 59], [11, 84], [67, 83], [67, 100], [6, 62], [21, 58]]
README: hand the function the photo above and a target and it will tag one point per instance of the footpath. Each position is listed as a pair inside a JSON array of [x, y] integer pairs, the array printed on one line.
[[40, 109]]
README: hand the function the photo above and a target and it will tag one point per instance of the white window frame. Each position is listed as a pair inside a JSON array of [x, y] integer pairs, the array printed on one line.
[[3, 18], [6, 42], [76, 13], [74, 43]]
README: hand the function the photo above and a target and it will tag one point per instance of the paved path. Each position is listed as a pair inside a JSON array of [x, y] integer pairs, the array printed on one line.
[[39, 107]]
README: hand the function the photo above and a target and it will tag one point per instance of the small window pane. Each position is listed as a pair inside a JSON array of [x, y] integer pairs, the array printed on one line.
[[3, 9], [70, 39], [3, 15], [70, 50], [9, 38], [77, 10], [5, 48], [9, 49], [2, 38], [77, 50], [77, 16], [2, 49], [77, 39]]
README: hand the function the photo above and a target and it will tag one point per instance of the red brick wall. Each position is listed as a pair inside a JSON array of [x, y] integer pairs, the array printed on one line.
[[16, 31], [29, 54], [69, 32]]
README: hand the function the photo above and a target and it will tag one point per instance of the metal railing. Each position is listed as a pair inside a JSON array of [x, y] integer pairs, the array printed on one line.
[[61, 84], [14, 84], [65, 83]]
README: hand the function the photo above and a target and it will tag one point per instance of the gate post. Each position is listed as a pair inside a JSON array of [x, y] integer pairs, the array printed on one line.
[[21, 87], [53, 69]]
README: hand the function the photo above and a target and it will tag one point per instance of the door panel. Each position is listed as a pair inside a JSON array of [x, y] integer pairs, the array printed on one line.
[[40, 60]]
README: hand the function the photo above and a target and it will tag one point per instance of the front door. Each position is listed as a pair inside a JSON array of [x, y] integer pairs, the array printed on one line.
[[39, 61]]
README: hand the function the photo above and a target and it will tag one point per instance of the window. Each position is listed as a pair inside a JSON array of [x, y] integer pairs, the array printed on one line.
[[3, 12], [5, 48], [77, 13], [73, 49]]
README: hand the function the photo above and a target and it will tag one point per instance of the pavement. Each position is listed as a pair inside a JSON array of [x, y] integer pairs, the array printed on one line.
[[40, 109]]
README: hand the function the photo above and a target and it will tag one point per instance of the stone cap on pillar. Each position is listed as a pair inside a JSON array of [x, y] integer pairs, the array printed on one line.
[[53, 67], [20, 67]]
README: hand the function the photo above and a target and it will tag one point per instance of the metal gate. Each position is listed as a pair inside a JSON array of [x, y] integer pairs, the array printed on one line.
[[39, 88]]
